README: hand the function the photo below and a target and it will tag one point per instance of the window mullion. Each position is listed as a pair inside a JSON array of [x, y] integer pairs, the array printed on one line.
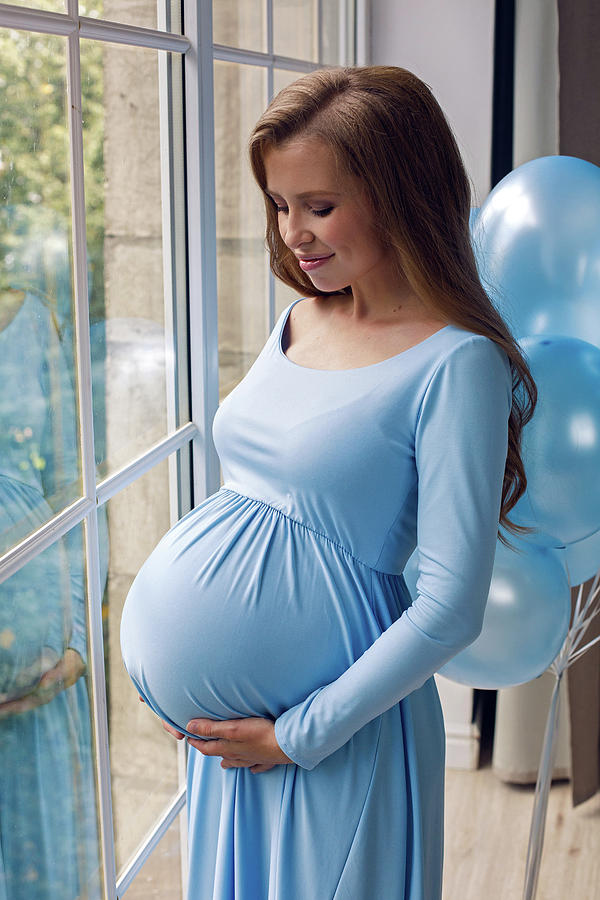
[[361, 49], [270, 29], [86, 420], [39, 20], [202, 241]]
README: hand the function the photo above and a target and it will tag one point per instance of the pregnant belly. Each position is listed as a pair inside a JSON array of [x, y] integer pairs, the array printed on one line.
[[240, 611]]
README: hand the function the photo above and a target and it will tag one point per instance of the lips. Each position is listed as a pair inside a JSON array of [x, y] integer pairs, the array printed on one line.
[[308, 263]]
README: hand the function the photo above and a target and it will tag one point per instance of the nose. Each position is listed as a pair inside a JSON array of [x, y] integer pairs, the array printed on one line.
[[295, 231]]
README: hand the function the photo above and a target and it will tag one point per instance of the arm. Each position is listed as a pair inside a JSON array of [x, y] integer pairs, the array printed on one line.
[[460, 454]]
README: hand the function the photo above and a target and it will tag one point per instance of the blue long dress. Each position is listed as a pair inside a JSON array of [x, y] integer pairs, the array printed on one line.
[[282, 595], [48, 832]]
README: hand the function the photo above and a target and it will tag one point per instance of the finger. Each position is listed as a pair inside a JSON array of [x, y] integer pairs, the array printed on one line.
[[211, 748], [141, 699], [214, 728], [261, 767], [178, 735]]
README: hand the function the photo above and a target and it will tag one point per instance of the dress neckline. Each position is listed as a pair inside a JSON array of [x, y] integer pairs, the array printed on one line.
[[381, 362]]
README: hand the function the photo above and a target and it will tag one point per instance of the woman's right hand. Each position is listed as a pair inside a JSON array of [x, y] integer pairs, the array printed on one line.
[[178, 735]]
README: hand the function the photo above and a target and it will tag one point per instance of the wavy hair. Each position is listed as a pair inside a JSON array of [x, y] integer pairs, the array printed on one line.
[[388, 132]]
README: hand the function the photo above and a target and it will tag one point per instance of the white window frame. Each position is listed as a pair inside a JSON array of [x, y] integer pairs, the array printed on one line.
[[199, 53]]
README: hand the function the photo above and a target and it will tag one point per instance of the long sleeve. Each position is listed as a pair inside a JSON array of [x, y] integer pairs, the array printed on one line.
[[461, 438]]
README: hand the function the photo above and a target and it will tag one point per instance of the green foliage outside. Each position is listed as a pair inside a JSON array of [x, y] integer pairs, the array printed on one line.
[[35, 201]]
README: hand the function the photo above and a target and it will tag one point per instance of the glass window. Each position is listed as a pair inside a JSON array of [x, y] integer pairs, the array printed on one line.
[[133, 319], [38, 411], [295, 29], [160, 876], [143, 13], [145, 772], [242, 265], [238, 23]]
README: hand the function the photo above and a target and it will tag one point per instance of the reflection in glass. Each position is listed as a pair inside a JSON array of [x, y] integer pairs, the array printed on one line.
[[295, 29], [132, 349], [38, 411], [48, 831], [39, 468], [144, 764], [240, 23], [242, 264]]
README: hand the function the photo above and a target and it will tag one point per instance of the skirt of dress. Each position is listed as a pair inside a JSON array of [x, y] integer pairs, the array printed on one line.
[[367, 822]]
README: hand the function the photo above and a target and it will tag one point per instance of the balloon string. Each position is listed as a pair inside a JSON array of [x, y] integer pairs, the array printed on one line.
[[583, 650], [540, 803], [570, 651], [580, 629]]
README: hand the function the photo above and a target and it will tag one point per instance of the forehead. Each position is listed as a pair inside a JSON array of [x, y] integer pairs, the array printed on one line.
[[303, 165]]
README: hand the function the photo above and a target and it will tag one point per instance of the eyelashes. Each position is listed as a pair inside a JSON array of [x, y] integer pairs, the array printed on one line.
[[315, 212]]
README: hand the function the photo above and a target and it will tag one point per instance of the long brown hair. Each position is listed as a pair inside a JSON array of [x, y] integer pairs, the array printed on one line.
[[387, 131]]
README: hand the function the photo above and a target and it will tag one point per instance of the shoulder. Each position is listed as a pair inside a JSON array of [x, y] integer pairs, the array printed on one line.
[[469, 366], [465, 349]]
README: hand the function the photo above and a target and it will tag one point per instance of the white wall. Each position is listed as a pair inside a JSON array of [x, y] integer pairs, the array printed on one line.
[[450, 46]]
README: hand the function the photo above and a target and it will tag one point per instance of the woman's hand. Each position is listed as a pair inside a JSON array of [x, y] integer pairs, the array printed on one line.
[[65, 673], [243, 743]]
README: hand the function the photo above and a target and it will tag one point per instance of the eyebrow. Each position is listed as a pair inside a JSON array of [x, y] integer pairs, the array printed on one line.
[[306, 194]]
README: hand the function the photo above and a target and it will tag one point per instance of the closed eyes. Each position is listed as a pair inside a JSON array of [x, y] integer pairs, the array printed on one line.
[[315, 212]]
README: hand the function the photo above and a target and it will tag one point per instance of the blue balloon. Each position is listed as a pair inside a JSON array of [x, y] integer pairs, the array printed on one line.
[[526, 618], [537, 244], [582, 559], [561, 443]]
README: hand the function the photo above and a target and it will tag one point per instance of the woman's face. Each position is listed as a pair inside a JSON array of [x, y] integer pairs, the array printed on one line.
[[323, 217]]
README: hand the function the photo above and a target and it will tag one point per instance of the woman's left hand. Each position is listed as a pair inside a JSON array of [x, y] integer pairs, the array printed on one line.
[[247, 743]]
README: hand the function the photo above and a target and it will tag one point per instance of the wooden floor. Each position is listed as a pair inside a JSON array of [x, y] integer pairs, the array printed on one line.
[[487, 831]]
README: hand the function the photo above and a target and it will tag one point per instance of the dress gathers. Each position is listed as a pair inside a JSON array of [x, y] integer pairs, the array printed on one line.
[[282, 595]]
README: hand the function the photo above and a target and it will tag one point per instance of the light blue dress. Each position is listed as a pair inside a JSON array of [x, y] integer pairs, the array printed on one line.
[[48, 834], [282, 595]]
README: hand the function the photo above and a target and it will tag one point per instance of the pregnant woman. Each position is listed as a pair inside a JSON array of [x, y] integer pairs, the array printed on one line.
[[272, 625]]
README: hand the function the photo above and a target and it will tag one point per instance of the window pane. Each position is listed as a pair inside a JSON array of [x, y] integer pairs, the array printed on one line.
[[240, 23], [332, 24], [138, 398], [39, 458], [283, 77], [144, 761], [50, 5], [48, 830], [160, 876], [240, 97], [136, 12], [295, 29]]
